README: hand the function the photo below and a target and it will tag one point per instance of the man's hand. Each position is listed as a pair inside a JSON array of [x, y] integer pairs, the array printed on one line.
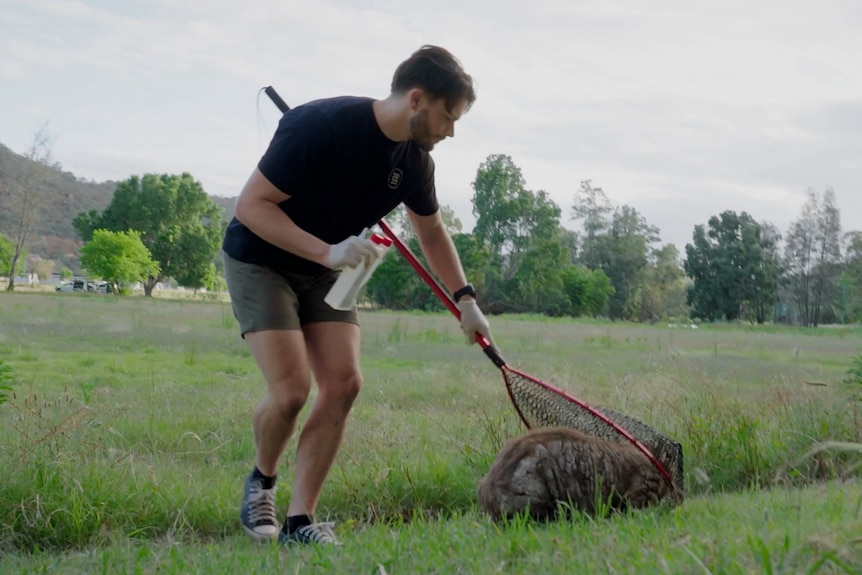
[[473, 320], [352, 252]]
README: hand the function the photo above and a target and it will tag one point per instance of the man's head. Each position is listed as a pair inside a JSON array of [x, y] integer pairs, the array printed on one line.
[[438, 93]]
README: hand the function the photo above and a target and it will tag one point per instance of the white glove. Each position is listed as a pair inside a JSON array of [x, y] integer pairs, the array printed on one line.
[[473, 320], [352, 252]]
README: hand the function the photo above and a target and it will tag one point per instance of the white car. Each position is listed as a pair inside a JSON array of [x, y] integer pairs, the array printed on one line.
[[72, 285]]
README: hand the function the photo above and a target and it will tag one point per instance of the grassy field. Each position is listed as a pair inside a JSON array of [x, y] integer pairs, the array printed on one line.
[[125, 440]]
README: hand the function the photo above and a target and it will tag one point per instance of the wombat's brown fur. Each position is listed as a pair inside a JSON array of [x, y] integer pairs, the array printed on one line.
[[544, 468]]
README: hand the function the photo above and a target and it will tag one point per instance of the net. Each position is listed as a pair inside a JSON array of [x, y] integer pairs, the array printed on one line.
[[541, 405]]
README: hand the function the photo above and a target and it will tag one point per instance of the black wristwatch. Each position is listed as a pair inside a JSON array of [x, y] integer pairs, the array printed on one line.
[[466, 290]]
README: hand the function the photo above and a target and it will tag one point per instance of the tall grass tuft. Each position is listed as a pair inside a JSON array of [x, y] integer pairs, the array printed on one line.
[[6, 380], [734, 444], [854, 374]]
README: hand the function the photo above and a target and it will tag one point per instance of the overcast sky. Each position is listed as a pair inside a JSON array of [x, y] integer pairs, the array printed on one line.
[[681, 109]]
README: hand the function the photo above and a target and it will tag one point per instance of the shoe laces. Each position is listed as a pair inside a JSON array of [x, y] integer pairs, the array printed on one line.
[[261, 504], [319, 532]]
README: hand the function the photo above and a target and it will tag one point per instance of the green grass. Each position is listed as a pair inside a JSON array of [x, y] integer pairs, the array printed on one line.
[[126, 433]]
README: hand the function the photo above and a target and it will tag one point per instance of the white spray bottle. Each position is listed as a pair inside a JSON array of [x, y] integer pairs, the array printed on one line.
[[342, 295]]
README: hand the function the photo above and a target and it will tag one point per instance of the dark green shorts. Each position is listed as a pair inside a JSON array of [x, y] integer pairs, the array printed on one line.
[[264, 298]]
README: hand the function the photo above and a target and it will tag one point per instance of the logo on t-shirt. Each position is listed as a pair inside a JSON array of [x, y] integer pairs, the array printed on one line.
[[395, 177]]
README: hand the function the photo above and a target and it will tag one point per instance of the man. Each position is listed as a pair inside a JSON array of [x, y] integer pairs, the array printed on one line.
[[333, 168]]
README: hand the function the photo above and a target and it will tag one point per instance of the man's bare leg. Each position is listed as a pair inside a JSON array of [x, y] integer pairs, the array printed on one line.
[[333, 351], [281, 357]]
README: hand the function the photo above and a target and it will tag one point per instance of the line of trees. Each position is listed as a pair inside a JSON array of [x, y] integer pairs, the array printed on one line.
[[741, 270], [523, 259], [155, 226], [520, 255]]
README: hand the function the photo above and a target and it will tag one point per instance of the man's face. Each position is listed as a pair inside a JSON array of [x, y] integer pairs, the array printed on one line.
[[432, 122]]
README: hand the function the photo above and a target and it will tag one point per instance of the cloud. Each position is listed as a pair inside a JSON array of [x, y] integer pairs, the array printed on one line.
[[681, 109]]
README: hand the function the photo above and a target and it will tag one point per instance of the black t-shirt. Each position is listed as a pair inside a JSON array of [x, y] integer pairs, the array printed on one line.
[[342, 175]]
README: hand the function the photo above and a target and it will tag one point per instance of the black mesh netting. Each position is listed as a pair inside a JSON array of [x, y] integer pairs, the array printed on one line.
[[541, 406]]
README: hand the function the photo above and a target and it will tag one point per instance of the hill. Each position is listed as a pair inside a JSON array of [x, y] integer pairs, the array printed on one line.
[[53, 236]]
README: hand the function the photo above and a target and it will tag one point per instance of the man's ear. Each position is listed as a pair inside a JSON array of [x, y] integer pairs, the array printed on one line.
[[416, 97]]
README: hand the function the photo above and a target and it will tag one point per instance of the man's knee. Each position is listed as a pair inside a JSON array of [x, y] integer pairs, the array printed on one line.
[[290, 398], [343, 389]]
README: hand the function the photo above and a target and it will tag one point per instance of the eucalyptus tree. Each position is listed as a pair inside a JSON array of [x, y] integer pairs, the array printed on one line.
[[812, 255], [734, 268]]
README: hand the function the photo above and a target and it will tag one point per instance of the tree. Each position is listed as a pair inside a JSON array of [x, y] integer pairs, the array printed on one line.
[[623, 251], [588, 290], [828, 251], [592, 207], [520, 228], [619, 242], [27, 198], [119, 258], [812, 254], [849, 297], [215, 281], [396, 285], [202, 277], [537, 284], [85, 222], [474, 257], [450, 220], [197, 252], [7, 252], [41, 267], [662, 292], [799, 258], [734, 268], [599, 291], [180, 225], [393, 280], [766, 275], [853, 254], [499, 201], [399, 221]]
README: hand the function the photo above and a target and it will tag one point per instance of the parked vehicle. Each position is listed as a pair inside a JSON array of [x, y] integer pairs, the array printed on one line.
[[72, 285]]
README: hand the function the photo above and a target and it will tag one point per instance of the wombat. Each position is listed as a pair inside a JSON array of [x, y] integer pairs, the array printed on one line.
[[544, 468]]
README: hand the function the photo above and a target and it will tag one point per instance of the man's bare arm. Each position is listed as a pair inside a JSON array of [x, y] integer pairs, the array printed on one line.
[[439, 250]]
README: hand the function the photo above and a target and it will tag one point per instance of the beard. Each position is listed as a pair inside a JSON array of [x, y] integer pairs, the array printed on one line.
[[420, 132]]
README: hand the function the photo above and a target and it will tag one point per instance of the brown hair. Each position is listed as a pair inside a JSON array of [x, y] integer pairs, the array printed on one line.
[[438, 73]]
